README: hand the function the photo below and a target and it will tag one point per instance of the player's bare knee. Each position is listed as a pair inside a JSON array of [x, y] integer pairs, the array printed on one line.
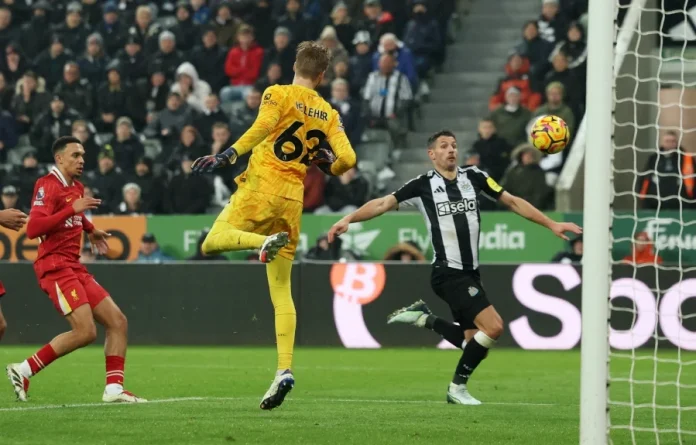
[[495, 330], [3, 328], [86, 334], [119, 323]]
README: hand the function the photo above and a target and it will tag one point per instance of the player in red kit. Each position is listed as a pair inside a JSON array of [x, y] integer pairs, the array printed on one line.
[[12, 219], [57, 219]]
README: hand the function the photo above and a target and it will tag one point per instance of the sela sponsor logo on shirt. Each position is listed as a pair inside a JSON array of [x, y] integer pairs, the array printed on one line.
[[456, 207]]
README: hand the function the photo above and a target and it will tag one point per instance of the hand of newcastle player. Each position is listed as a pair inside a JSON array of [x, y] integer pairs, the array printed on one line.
[[97, 239], [83, 204], [12, 219], [337, 229], [560, 228]]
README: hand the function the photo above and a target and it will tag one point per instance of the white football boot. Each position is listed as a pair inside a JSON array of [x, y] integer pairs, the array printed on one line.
[[281, 386], [414, 314], [270, 248], [122, 397], [20, 384], [459, 395]]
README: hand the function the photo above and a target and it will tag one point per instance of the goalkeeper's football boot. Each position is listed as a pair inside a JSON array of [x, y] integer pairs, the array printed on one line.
[[20, 384], [459, 395], [122, 397], [280, 388], [272, 245], [414, 314]]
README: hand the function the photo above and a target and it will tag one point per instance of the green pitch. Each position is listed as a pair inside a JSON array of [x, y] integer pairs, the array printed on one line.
[[211, 396]]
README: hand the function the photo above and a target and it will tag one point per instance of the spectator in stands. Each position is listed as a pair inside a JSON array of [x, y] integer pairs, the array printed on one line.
[[155, 91], [93, 63], [30, 101], [108, 179], [10, 199], [643, 251], [73, 31], [242, 66], [131, 204], [281, 53], [302, 26], [132, 59], [261, 19], [552, 25], [190, 87], [152, 188], [245, 116], [76, 92], [535, 49], [111, 28], [24, 176], [211, 115], [348, 109], [345, 193], [573, 86], [377, 21], [85, 132], [126, 145], [526, 179], [388, 95], [188, 194], [35, 35], [169, 122], [146, 30], [273, 76], [201, 12], [209, 58], [329, 39], [51, 62], [6, 93], [668, 177], [115, 98], [190, 145], [51, 125], [14, 64], [492, 150], [314, 185], [8, 32], [222, 139], [168, 56], [574, 256], [150, 251], [406, 252], [200, 256], [225, 25], [516, 70], [360, 63], [91, 12], [187, 33], [575, 48], [424, 38], [325, 251], [511, 119], [554, 105], [390, 44], [343, 24], [8, 133]]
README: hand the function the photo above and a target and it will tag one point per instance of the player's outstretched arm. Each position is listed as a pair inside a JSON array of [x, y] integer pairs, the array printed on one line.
[[41, 220], [371, 209], [523, 208], [12, 219]]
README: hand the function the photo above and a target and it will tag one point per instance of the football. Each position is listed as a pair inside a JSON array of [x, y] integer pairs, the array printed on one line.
[[549, 134]]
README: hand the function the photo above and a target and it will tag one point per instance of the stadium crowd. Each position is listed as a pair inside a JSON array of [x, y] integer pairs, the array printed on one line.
[[149, 86]]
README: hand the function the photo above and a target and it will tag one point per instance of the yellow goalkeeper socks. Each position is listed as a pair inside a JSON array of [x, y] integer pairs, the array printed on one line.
[[278, 272], [223, 237]]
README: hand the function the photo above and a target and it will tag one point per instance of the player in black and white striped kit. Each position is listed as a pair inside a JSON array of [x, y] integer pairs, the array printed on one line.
[[447, 198]]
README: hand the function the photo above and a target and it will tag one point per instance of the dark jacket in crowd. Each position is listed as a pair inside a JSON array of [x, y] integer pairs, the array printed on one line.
[[38, 103], [74, 39], [339, 195], [204, 123], [109, 185], [48, 128], [35, 36], [133, 68], [127, 152], [152, 189], [209, 63], [360, 69], [114, 36], [51, 69], [78, 95], [494, 155], [189, 194], [93, 69], [667, 180]]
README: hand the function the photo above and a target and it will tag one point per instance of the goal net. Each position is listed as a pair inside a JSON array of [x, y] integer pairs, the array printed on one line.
[[651, 378]]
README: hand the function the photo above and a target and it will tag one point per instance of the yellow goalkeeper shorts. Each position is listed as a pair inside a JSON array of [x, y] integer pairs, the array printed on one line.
[[264, 214]]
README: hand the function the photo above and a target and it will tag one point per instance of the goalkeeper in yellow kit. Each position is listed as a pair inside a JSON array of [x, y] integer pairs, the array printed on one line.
[[295, 128]]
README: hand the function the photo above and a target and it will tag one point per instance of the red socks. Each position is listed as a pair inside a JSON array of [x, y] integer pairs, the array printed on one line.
[[114, 369], [44, 357]]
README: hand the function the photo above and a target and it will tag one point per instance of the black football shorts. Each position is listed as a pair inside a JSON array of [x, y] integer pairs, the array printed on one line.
[[462, 291]]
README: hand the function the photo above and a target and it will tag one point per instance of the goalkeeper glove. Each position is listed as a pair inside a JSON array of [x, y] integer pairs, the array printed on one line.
[[207, 164], [323, 159]]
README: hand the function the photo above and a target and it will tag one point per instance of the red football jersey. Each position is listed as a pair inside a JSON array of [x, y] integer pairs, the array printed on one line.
[[60, 244]]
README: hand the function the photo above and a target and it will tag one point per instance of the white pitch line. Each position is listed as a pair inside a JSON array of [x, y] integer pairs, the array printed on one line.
[[221, 399]]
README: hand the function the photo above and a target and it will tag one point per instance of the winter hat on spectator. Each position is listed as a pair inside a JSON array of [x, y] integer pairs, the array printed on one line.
[[133, 39], [41, 4], [523, 148], [96, 36], [148, 238], [329, 32], [110, 7], [166, 35], [133, 186], [29, 154], [74, 7], [114, 65], [282, 30], [124, 120], [106, 152], [9, 190], [361, 37], [514, 90], [372, 3], [146, 161], [57, 96]]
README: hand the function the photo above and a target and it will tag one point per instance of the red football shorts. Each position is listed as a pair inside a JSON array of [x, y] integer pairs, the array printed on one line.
[[71, 288]]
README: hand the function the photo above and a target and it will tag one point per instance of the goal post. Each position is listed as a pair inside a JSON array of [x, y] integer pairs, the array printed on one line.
[[596, 263]]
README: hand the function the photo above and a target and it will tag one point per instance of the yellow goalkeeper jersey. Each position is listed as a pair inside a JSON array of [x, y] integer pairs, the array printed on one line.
[[292, 121]]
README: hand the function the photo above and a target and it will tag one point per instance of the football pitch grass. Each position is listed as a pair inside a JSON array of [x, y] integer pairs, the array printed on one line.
[[206, 395]]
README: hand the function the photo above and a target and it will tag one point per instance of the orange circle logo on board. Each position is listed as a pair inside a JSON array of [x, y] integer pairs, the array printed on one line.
[[360, 283]]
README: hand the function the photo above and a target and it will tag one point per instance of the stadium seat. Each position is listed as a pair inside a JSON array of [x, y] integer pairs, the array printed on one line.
[[15, 155], [376, 152], [377, 135], [231, 108], [167, 22], [103, 138]]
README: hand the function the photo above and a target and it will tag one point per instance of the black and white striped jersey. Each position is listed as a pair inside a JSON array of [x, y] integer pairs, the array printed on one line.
[[451, 212]]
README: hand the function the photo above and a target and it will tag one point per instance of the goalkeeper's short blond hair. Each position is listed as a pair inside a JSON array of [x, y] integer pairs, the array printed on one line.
[[312, 60]]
